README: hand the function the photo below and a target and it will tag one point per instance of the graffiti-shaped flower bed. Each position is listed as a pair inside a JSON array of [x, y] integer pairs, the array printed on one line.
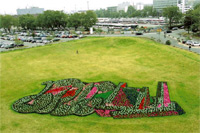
[[73, 97]]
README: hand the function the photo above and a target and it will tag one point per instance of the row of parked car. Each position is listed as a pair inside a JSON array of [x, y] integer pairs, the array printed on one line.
[[30, 39], [191, 42], [9, 45]]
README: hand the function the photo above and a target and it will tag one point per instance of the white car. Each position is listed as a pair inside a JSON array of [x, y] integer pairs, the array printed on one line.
[[46, 41], [189, 42], [4, 45], [195, 44]]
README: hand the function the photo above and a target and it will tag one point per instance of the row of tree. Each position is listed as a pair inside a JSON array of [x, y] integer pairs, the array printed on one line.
[[131, 12], [190, 20], [49, 20]]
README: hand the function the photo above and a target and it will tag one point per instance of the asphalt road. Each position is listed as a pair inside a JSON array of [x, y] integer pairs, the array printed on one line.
[[156, 36], [173, 38]]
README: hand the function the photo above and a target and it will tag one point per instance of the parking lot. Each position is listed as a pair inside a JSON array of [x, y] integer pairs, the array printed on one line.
[[22, 41], [29, 44]]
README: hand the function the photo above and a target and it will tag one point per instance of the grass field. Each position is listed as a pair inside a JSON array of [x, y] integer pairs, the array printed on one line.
[[137, 61]]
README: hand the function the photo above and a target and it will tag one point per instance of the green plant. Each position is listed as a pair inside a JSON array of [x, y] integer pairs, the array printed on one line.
[[168, 42]]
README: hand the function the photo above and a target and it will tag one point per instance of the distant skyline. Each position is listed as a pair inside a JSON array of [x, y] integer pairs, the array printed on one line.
[[10, 6]]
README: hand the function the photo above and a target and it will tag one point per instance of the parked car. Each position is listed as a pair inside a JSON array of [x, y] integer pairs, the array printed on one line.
[[138, 33], [29, 39], [33, 41], [11, 45], [74, 36], [70, 36], [189, 42], [55, 40], [175, 28], [4, 45], [1, 44], [195, 43], [46, 41], [168, 31], [64, 36], [37, 40], [20, 45], [81, 36], [184, 41]]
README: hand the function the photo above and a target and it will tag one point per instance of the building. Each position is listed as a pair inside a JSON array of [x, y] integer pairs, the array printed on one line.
[[193, 2], [184, 5], [139, 6], [123, 6], [112, 9], [160, 4], [31, 10]]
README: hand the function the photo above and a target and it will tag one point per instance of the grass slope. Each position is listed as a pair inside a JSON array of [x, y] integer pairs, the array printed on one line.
[[137, 61]]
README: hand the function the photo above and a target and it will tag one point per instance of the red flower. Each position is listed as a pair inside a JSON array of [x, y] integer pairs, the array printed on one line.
[[142, 104]]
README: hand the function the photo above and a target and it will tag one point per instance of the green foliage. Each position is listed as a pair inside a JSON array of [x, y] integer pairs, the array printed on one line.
[[18, 42], [168, 42], [98, 30], [27, 22], [85, 20], [131, 12], [191, 20], [75, 20], [170, 12], [52, 19], [90, 19], [7, 21], [103, 95]]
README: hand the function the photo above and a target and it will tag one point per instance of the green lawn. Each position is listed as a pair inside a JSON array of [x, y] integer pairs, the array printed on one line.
[[137, 61]]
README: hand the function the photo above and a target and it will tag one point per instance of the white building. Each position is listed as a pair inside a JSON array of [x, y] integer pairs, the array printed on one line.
[[31, 10], [184, 5], [139, 6], [123, 6]]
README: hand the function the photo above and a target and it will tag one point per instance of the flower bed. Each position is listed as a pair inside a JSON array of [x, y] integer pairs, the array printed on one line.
[[73, 97]]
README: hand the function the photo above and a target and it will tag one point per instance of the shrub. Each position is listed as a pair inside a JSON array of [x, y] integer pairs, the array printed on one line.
[[168, 42]]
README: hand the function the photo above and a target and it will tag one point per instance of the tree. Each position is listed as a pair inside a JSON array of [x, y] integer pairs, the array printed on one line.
[[1, 21], [196, 17], [7, 21], [52, 19], [188, 20], [27, 22], [191, 20], [173, 14], [40, 21], [85, 20], [74, 20], [130, 11], [89, 19]]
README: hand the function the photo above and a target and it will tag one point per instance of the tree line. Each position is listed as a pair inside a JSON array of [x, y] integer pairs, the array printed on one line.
[[131, 12], [49, 20]]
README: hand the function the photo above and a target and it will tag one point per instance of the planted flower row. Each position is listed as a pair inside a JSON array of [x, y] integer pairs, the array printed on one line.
[[73, 97]]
